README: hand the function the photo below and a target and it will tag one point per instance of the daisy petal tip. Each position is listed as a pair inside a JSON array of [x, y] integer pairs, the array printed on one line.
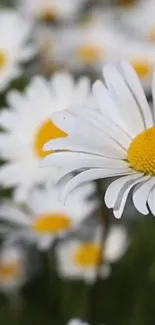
[[96, 84], [117, 214]]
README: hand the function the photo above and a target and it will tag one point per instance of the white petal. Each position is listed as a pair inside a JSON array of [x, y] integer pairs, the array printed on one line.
[[115, 187], [65, 121], [116, 244], [138, 92], [82, 160], [141, 194], [90, 175], [106, 103], [14, 214], [122, 197], [151, 201], [127, 106]]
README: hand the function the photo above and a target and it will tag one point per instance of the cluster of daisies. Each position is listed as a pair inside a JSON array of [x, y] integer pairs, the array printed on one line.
[[62, 136], [35, 213]]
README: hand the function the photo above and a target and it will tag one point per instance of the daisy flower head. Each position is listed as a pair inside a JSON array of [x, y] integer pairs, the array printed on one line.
[[85, 260], [89, 45], [12, 268], [14, 49], [49, 10], [117, 141], [27, 126], [45, 217]]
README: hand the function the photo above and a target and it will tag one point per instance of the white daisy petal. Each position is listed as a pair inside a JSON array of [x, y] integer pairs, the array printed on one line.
[[116, 244], [90, 175], [115, 187], [140, 192], [127, 105], [13, 214], [151, 201], [122, 197], [83, 160], [135, 87], [106, 103]]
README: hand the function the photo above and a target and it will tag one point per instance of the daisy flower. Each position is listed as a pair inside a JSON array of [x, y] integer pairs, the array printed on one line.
[[27, 126], [117, 141], [45, 217], [14, 49], [49, 10], [12, 268], [85, 260], [88, 45]]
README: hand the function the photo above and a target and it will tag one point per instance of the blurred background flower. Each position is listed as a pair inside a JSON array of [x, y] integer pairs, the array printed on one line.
[[67, 259]]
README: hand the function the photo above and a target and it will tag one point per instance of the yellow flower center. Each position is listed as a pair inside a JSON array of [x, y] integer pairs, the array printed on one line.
[[89, 54], [51, 223], [88, 255], [48, 14], [10, 270], [141, 153], [142, 67], [3, 59], [46, 132]]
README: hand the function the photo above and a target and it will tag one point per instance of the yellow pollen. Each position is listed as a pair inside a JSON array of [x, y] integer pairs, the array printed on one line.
[[141, 153], [48, 14], [89, 54], [3, 59], [51, 223], [88, 255], [142, 67], [10, 270], [46, 132]]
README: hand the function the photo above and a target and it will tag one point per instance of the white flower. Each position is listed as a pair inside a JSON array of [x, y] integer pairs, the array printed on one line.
[[84, 260], [51, 9], [46, 217], [140, 19], [89, 45], [27, 127], [12, 268], [118, 141], [14, 50]]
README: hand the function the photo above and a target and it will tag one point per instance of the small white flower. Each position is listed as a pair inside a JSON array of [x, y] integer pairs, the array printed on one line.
[[84, 260], [27, 126], [46, 217], [51, 9], [14, 49], [12, 268], [117, 141]]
